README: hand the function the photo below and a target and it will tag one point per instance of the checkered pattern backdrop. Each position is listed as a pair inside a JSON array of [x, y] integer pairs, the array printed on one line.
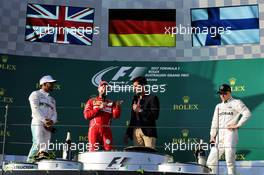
[[12, 33]]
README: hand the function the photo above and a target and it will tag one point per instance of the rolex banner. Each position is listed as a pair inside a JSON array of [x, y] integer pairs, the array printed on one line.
[[186, 90]]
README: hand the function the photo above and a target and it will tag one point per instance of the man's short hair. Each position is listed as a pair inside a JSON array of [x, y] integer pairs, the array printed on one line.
[[141, 80]]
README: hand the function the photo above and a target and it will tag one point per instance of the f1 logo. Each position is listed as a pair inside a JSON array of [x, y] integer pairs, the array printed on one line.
[[118, 162], [122, 72], [123, 75]]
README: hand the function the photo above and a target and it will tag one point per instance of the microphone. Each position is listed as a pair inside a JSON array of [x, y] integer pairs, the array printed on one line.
[[135, 99], [135, 102], [104, 97]]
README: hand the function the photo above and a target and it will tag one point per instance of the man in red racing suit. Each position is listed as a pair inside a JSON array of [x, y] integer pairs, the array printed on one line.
[[100, 112]]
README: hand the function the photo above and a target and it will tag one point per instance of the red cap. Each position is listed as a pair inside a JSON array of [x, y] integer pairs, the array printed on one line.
[[103, 83]]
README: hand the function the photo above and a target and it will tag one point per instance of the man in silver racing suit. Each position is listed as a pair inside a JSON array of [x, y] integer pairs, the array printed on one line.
[[44, 116], [224, 129]]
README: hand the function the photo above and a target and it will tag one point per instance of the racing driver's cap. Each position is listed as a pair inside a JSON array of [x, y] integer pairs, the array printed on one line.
[[103, 83], [223, 89]]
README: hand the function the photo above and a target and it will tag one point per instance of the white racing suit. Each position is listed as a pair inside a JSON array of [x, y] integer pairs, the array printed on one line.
[[226, 113], [43, 107]]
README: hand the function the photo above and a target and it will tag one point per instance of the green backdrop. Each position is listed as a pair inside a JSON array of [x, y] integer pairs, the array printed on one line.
[[186, 109]]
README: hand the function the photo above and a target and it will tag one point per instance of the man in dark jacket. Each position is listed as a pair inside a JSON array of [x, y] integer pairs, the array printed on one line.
[[145, 111]]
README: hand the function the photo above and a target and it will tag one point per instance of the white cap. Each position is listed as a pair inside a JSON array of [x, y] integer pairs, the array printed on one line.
[[46, 79]]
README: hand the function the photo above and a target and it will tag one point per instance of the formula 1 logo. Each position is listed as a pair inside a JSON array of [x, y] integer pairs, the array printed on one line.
[[127, 73], [118, 162]]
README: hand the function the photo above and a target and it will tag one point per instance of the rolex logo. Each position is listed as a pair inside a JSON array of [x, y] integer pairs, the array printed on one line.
[[185, 132], [4, 59], [4, 98], [185, 105], [2, 91], [83, 105], [235, 87], [185, 99], [232, 81], [5, 66]]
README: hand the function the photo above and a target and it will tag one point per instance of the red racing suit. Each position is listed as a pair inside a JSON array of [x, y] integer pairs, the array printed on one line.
[[100, 120]]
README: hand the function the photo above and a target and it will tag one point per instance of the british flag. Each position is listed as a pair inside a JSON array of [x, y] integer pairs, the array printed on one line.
[[59, 24]]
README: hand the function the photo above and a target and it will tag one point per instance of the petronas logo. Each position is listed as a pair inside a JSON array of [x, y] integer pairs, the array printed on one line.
[[2, 92], [185, 133], [185, 99], [4, 59], [232, 81]]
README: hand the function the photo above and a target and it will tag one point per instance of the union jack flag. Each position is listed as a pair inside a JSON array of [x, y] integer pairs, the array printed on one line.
[[59, 24]]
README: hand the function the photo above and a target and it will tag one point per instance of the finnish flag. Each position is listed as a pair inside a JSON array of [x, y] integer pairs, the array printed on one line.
[[225, 25]]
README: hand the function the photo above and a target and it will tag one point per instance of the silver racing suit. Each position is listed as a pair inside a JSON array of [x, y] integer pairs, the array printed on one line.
[[226, 113], [43, 107]]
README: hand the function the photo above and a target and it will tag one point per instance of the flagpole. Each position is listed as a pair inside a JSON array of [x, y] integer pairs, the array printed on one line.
[[4, 138]]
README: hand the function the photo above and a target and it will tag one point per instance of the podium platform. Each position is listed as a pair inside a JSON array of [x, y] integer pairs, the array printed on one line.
[[37, 172], [129, 162]]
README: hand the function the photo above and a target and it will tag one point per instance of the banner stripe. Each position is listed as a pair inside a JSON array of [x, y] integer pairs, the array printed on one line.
[[199, 39], [243, 12], [55, 23], [142, 40], [232, 24], [240, 37], [139, 27], [199, 14], [143, 14]]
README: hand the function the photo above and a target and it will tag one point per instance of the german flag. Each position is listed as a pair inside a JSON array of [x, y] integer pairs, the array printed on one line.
[[141, 27]]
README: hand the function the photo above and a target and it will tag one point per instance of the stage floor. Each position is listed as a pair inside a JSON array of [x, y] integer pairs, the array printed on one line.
[[87, 173]]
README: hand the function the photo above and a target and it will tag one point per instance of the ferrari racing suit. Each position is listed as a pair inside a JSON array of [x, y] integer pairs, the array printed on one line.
[[100, 121]]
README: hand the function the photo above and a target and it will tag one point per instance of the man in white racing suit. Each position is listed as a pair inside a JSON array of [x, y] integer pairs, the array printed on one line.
[[44, 115], [224, 129]]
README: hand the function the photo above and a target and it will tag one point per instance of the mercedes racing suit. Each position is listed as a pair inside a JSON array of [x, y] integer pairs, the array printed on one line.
[[226, 113], [43, 107], [100, 121]]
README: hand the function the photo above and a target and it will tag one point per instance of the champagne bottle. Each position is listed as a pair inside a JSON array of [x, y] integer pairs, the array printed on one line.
[[67, 148]]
